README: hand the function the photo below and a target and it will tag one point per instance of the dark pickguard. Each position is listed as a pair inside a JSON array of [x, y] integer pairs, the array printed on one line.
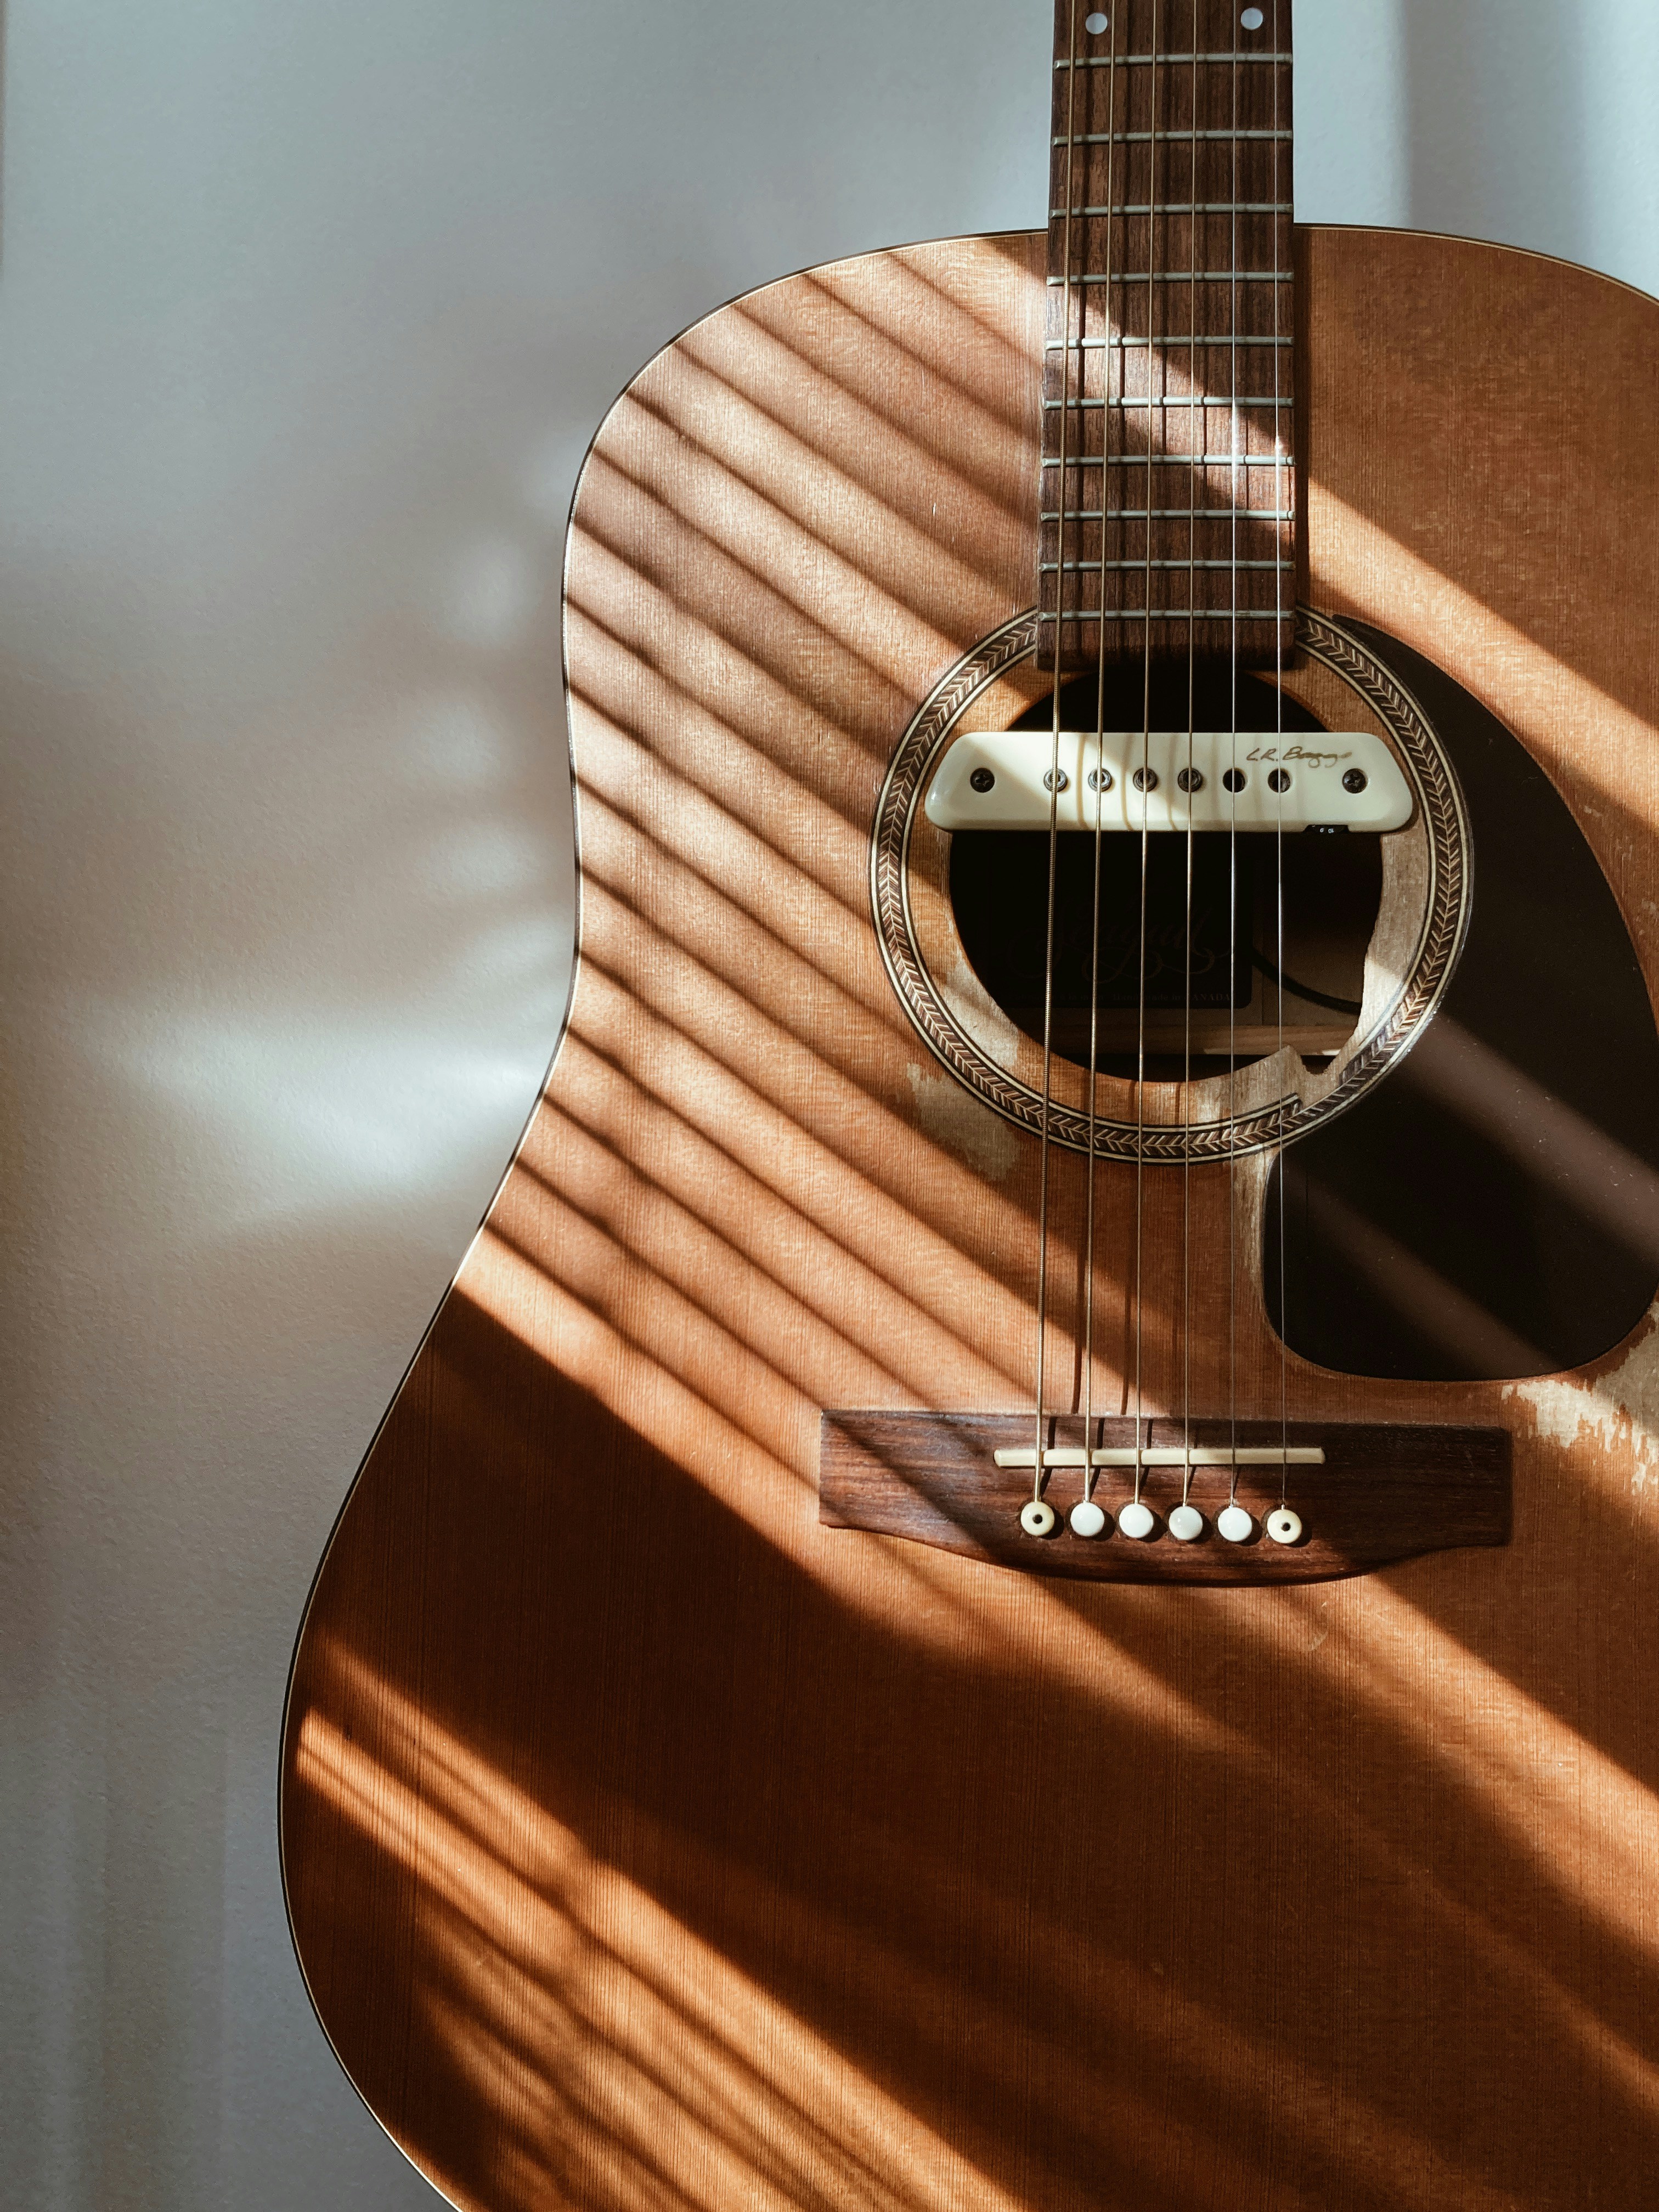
[[1491, 1208]]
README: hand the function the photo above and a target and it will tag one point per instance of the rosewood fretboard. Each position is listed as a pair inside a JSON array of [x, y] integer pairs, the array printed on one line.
[[1168, 479]]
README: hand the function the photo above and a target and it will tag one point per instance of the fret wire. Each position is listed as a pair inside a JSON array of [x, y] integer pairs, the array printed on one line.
[[1253, 106], [1243, 616], [1158, 137], [1182, 207], [1180, 343], [1170, 513], [1147, 61], [1173, 461], [1094, 567], [1184, 276], [1148, 399]]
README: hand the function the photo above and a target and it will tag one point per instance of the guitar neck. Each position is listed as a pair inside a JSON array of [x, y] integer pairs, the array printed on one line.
[[1168, 476]]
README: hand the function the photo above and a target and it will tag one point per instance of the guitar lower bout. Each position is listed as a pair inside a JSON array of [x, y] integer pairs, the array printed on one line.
[[655, 1830]]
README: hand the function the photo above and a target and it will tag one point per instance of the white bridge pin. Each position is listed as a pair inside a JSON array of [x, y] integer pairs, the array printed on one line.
[[1036, 1517], [1136, 1519], [1285, 1527], [1187, 1524], [1235, 1524], [1087, 1518]]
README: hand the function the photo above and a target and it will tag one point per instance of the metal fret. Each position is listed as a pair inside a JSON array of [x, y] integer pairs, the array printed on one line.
[[1173, 344], [1240, 615], [1164, 61], [1151, 399], [1182, 276], [1158, 138], [1167, 513], [1235, 131], [1048, 568], [1182, 207], [1173, 461]]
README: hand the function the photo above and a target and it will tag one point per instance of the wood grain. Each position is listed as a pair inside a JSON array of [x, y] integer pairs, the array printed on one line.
[[648, 1843], [1171, 310], [1383, 1494]]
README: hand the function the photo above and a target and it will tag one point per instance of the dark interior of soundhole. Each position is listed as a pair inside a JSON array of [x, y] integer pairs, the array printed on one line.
[[1174, 1000]]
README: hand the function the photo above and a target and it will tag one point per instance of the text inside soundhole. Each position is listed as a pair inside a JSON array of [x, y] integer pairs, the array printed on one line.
[[1167, 998]]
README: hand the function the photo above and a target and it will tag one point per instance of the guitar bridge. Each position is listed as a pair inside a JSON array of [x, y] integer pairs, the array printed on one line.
[[1366, 1495]]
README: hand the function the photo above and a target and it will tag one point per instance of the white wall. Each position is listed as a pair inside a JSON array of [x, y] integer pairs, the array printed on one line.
[[309, 312]]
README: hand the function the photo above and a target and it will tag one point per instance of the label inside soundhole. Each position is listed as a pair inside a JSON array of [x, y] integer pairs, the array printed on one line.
[[1372, 920], [1210, 948]]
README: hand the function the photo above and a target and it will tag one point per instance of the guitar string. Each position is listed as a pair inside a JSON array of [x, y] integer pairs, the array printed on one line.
[[1192, 634], [1233, 829], [1148, 616], [1071, 75], [1145, 810], [1280, 486], [1100, 801]]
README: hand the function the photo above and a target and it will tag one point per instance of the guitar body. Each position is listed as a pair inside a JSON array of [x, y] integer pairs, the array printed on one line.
[[649, 1842]]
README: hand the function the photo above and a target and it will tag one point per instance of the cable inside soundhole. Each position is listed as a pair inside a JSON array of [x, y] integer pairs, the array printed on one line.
[[1239, 988]]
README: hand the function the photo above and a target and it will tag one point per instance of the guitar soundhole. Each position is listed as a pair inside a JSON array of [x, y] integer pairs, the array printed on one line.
[[1227, 967]]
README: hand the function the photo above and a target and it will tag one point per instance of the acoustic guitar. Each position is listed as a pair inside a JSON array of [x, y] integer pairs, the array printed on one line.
[[1021, 1569]]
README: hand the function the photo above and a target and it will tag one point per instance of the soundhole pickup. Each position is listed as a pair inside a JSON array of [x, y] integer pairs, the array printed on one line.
[[1366, 1495], [1169, 779]]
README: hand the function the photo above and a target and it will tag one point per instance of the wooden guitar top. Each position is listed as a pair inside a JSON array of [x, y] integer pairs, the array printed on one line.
[[649, 1843]]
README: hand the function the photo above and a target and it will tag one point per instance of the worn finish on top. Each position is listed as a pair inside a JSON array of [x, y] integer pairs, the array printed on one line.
[[648, 1843]]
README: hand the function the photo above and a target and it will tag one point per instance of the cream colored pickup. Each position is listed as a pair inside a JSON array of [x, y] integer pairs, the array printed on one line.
[[1169, 779]]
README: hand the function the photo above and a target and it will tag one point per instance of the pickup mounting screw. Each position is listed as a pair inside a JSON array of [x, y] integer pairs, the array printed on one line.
[[982, 779], [1355, 779]]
